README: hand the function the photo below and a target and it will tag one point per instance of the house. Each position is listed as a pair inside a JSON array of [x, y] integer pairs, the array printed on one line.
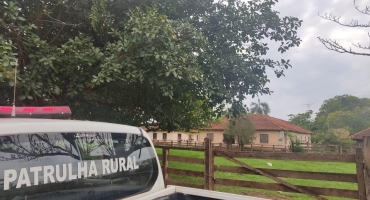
[[170, 136], [358, 137], [269, 131], [215, 131]]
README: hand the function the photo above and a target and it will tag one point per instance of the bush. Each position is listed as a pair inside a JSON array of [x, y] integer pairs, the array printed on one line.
[[296, 143], [296, 147]]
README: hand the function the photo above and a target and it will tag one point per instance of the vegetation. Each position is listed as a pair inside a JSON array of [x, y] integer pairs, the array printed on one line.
[[240, 128], [140, 61], [333, 136], [337, 119], [344, 111], [260, 107], [295, 143], [333, 45], [303, 120]]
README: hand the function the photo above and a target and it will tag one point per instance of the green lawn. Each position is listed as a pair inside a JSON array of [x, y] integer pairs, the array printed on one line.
[[348, 168]]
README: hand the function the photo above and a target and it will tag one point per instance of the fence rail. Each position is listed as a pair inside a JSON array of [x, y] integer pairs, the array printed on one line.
[[307, 147], [211, 150]]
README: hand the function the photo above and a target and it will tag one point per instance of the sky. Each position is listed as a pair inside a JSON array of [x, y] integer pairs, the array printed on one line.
[[318, 74]]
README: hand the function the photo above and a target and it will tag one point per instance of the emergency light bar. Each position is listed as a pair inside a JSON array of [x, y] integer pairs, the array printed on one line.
[[36, 112]]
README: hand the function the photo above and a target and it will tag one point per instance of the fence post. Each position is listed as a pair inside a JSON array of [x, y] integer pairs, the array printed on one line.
[[366, 150], [261, 148], [165, 152], [273, 148], [360, 174], [308, 147], [251, 147], [208, 165]]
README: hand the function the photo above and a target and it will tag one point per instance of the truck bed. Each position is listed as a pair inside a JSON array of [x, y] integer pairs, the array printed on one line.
[[185, 193], [182, 196]]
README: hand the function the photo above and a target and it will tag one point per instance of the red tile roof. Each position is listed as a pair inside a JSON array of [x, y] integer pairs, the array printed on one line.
[[263, 123], [219, 126], [359, 135], [267, 123]]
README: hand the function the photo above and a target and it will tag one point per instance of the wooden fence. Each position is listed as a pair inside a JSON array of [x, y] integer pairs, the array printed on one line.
[[307, 147], [210, 151]]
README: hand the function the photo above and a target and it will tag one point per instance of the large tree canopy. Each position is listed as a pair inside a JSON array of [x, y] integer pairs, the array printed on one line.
[[344, 111], [138, 61]]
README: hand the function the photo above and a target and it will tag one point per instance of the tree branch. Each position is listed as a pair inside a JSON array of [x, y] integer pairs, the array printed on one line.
[[358, 45], [336, 18], [57, 35], [365, 11], [335, 46]]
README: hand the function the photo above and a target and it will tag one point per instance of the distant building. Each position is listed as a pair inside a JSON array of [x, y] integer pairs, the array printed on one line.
[[269, 131], [358, 137]]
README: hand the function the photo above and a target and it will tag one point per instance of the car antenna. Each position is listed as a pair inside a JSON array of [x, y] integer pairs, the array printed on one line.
[[15, 86]]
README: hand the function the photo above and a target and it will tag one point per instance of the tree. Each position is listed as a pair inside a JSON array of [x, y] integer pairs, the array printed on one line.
[[260, 107], [135, 62], [333, 136], [335, 46], [295, 143], [242, 129], [345, 111], [303, 120]]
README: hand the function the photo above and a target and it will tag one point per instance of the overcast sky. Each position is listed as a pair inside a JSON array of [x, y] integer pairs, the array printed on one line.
[[318, 74]]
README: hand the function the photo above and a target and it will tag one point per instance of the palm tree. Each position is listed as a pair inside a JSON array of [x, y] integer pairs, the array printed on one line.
[[260, 107]]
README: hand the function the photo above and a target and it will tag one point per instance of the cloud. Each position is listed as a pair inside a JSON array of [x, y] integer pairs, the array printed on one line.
[[318, 74]]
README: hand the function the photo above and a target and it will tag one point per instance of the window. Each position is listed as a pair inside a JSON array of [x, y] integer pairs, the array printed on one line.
[[210, 136], [197, 137], [264, 138], [154, 136], [164, 136], [76, 165], [179, 137]]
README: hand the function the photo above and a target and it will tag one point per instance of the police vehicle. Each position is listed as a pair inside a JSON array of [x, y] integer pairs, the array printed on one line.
[[46, 158]]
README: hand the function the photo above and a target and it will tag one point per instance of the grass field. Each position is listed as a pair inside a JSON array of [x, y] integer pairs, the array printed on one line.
[[348, 168]]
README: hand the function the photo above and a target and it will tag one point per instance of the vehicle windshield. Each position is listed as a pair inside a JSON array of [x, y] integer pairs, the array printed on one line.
[[75, 166]]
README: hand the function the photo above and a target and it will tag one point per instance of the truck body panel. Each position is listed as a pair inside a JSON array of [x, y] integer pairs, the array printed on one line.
[[126, 164]]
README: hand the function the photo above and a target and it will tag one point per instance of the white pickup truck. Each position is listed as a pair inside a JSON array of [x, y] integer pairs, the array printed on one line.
[[69, 159]]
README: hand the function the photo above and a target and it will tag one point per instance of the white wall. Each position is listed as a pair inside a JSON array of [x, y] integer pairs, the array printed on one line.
[[170, 136]]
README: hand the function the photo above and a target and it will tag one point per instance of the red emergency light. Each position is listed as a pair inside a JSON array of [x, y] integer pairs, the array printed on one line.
[[36, 112]]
